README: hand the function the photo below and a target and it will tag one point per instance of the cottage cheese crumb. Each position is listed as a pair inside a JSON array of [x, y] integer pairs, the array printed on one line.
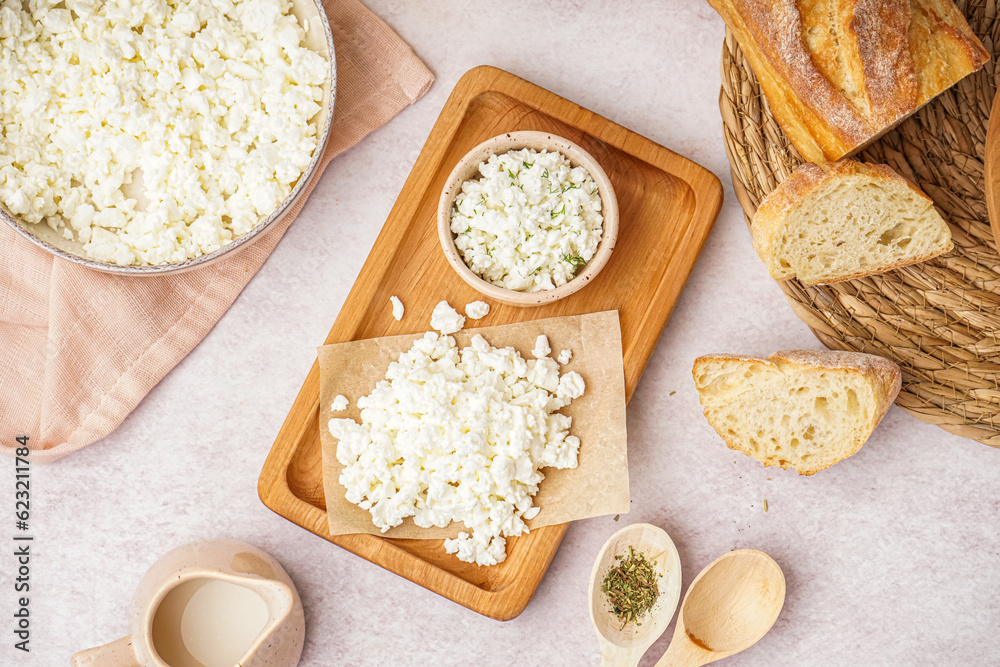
[[564, 357], [446, 319], [542, 348], [477, 310], [530, 222], [153, 132], [459, 434], [397, 307], [340, 403]]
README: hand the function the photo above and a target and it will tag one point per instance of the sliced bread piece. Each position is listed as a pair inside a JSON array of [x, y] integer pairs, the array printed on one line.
[[802, 409], [848, 220]]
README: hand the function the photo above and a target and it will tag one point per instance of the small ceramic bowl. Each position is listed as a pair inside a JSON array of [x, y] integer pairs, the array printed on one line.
[[319, 38], [467, 169]]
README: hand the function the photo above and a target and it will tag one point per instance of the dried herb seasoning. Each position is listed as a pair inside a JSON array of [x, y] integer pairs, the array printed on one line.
[[631, 587]]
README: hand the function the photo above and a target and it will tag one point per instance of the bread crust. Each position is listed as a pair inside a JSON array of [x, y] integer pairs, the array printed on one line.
[[882, 61], [794, 192], [881, 29], [883, 375]]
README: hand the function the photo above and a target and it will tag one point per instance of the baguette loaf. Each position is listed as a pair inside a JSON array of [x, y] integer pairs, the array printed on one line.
[[846, 220], [839, 73], [803, 410]]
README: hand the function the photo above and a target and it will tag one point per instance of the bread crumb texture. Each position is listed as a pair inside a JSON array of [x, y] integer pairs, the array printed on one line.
[[857, 220], [801, 410]]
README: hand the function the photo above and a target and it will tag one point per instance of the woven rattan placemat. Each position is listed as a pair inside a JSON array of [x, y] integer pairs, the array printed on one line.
[[939, 320]]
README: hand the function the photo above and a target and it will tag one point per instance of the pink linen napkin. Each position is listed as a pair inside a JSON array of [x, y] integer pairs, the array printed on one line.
[[79, 349]]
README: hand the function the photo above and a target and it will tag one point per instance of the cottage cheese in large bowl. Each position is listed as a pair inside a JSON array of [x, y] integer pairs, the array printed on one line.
[[150, 135]]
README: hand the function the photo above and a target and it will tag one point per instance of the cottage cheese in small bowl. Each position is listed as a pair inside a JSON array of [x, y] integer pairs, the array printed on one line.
[[530, 222], [528, 218]]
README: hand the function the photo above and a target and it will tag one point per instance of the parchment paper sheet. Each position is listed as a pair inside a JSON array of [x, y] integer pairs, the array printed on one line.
[[597, 486]]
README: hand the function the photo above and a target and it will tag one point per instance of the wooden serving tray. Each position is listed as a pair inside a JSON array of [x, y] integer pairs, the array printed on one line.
[[667, 206]]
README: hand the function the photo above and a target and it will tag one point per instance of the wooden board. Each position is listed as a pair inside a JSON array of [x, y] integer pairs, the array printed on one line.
[[667, 205]]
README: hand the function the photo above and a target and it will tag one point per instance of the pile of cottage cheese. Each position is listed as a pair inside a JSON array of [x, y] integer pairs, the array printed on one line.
[[459, 434], [154, 131], [530, 222]]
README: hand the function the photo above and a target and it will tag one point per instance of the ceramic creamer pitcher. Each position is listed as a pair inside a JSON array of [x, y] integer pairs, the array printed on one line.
[[218, 603]]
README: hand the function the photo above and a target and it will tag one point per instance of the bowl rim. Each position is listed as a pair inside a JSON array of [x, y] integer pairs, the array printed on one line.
[[246, 239], [467, 168]]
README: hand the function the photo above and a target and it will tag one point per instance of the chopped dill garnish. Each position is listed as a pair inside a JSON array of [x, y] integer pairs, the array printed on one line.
[[574, 260]]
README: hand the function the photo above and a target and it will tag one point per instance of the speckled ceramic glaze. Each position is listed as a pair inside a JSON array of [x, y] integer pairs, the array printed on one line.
[[279, 644]]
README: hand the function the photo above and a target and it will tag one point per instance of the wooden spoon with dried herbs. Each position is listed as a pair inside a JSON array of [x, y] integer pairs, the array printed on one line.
[[634, 589]]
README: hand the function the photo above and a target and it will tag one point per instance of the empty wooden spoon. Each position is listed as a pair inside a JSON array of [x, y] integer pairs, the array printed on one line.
[[727, 609], [992, 163], [623, 646]]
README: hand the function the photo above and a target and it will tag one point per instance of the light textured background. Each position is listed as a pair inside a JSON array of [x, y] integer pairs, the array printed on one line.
[[891, 557]]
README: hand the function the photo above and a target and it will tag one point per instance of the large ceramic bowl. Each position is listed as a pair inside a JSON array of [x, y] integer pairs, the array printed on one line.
[[319, 38], [468, 168]]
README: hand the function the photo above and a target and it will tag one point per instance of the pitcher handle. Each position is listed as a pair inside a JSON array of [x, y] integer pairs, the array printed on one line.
[[116, 654]]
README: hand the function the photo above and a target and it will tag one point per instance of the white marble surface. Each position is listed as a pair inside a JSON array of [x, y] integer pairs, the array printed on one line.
[[891, 557]]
